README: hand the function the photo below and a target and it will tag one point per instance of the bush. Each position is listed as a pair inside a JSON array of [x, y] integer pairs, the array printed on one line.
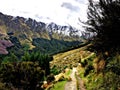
[[42, 59], [3, 86], [111, 81], [55, 70], [88, 69], [50, 78], [114, 64], [25, 75], [10, 58]]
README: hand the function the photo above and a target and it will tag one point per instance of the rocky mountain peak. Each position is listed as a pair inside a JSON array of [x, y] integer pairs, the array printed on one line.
[[27, 32]]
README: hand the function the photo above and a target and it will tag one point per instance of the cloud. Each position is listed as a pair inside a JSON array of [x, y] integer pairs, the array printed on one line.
[[80, 1], [58, 11], [70, 6]]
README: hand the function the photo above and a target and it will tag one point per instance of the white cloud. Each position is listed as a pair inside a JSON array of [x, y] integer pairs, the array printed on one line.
[[46, 10], [70, 6]]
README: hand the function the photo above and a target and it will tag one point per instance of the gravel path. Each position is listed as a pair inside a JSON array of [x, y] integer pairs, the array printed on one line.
[[71, 85]]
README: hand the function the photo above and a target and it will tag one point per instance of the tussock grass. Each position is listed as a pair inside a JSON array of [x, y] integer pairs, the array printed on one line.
[[69, 59], [104, 76]]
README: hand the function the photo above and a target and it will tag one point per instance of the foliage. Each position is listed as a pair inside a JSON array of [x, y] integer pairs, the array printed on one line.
[[50, 78], [25, 75], [42, 59], [111, 81], [10, 58], [84, 63], [103, 19], [26, 47], [107, 79], [3, 87], [87, 63], [88, 69], [104, 22], [113, 64], [17, 49], [53, 46], [55, 70]]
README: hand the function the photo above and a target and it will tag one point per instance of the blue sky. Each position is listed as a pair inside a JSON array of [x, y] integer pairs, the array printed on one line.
[[62, 12]]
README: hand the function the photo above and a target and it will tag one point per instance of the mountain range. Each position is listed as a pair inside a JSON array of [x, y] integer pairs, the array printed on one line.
[[26, 33]]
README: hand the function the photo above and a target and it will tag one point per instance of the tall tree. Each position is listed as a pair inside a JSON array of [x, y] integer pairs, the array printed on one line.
[[104, 20]]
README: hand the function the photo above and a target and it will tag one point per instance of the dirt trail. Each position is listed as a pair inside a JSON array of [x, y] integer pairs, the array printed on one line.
[[71, 85]]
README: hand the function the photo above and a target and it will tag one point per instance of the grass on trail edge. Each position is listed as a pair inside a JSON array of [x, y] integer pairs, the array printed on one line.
[[61, 84]]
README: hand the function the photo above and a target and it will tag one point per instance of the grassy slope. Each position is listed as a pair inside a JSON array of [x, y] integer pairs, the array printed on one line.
[[96, 74], [69, 58]]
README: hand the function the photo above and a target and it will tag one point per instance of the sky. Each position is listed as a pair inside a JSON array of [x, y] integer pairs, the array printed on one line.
[[62, 12]]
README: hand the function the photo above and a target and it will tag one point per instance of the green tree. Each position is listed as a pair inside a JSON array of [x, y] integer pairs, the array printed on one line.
[[104, 20], [43, 60]]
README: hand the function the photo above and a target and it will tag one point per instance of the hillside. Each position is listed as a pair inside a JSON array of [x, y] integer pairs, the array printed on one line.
[[69, 58], [97, 73]]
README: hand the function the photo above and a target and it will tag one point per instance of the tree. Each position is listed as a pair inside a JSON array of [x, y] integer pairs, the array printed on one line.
[[104, 20], [43, 60]]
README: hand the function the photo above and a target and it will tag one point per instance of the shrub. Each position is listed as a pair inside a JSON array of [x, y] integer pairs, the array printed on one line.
[[25, 75], [3, 86], [42, 59], [88, 69], [55, 70], [50, 78]]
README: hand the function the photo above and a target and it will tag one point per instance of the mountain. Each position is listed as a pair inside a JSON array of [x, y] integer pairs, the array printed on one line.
[[30, 34], [65, 30]]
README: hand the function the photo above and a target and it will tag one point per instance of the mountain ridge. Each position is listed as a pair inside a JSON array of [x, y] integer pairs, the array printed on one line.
[[28, 33], [36, 26]]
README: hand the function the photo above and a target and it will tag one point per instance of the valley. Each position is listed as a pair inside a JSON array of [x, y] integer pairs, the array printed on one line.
[[46, 56]]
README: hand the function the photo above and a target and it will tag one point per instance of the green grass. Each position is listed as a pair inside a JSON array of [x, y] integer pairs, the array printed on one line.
[[68, 73], [59, 85]]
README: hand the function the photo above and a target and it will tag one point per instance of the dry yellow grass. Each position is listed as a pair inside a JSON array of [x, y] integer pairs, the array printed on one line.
[[69, 58]]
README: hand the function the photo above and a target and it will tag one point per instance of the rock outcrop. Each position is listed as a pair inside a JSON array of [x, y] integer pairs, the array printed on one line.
[[4, 44]]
